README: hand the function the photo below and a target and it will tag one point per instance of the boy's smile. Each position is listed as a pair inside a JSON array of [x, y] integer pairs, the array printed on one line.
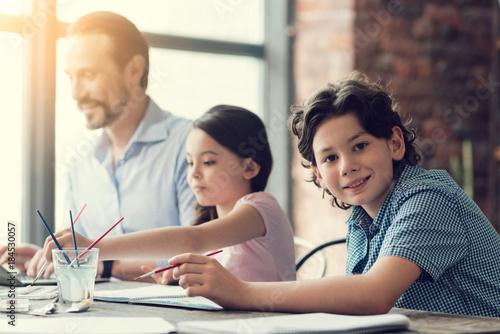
[[354, 165], [357, 184]]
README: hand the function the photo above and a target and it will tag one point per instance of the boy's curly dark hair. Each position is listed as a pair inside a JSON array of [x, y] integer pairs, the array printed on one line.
[[376, 110]]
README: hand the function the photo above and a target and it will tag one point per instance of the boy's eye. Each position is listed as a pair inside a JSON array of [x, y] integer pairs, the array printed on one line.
[[360, 146], [189, 163], [209, 163], [330, 158]]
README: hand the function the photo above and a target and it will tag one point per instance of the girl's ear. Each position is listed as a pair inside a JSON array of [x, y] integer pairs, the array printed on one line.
[[252, 168], [318, 176], [397, 144]]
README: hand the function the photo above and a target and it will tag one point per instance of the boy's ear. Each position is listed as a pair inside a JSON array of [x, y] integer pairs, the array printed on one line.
[[397, 144], [318, 176], [252, 168]]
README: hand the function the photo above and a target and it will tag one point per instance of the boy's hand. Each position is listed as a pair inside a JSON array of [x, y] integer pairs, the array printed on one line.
[[165, 277], [204, 276]]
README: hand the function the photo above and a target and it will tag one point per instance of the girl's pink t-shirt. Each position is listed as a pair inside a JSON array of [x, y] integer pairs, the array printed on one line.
[[267, 258]]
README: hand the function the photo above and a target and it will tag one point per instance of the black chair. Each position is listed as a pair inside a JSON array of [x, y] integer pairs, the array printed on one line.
[[316, 249]]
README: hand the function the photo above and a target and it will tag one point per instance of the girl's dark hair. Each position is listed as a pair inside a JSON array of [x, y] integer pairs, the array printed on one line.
[[127, 40], [376, 110], [243, 133]]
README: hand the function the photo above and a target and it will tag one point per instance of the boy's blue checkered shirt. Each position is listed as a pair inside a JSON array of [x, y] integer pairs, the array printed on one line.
[[428, 219]]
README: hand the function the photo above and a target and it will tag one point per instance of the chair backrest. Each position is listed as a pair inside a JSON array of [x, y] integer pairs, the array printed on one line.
[[313, 250]]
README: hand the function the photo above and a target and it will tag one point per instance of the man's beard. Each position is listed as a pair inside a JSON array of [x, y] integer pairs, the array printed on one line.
[[110, 114]]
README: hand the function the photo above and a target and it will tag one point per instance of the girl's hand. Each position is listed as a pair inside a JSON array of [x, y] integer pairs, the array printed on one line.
[[162, 278], [204, 276]]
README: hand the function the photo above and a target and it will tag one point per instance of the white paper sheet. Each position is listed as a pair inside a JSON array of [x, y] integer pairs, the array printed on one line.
[[89, 325]]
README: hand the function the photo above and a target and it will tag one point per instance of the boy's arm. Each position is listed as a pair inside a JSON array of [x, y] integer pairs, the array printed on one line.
[[372, 293]]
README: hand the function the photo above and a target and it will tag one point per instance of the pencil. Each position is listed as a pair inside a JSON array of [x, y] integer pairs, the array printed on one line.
[[95, 242], [40, 272], [151, 273], [79, 213]]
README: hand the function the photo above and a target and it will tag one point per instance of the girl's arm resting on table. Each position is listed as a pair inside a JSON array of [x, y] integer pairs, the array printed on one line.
[[242, 224], [372, 293]]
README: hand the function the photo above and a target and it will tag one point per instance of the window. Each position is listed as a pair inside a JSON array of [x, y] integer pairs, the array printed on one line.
[[14, 7], [227, 20], [11, 140], [189, 83]]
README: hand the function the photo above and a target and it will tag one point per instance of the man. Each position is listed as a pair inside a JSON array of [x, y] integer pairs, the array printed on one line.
[[137, 167]]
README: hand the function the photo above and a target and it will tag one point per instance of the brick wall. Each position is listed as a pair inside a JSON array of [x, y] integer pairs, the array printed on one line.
[[435, 57]]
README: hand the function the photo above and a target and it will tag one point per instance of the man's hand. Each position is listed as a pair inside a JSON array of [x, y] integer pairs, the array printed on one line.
[[37, 263], [23, 256]]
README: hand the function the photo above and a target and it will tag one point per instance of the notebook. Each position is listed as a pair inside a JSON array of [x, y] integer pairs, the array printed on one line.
[[300, 323], [156, 294], [21, 280]]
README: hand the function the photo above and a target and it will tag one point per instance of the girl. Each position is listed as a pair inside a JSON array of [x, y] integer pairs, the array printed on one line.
[[229, 162], [415, 239]]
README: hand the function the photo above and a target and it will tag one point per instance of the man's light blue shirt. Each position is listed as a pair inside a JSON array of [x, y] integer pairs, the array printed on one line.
[[147, 187]]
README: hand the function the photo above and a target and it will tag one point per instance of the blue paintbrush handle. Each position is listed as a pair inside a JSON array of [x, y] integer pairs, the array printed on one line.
[[52, 235], [74, 238]]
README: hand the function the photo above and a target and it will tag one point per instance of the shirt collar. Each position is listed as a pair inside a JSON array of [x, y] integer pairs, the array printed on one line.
[[358, 214], [151, 129]]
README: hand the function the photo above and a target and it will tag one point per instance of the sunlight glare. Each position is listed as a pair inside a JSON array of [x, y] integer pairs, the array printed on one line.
[[11, 7]]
